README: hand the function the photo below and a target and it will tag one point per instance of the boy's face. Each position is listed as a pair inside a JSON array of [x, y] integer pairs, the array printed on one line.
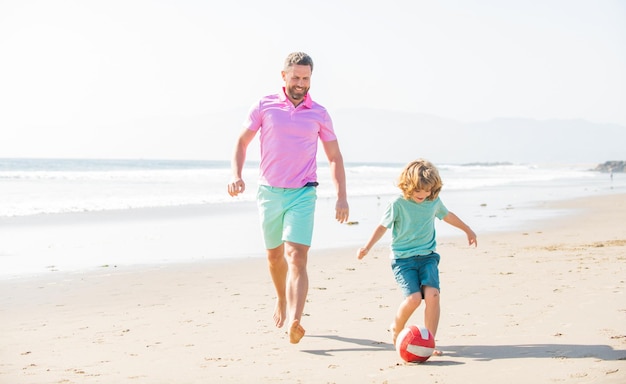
[[420, 195]]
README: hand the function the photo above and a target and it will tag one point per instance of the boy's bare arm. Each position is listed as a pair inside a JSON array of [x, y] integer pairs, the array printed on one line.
[[377, 235], [455, 221]]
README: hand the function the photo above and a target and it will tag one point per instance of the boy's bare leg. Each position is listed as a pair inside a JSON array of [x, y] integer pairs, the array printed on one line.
[[278, 271], [432, 312], [297, 288], [406, 309]]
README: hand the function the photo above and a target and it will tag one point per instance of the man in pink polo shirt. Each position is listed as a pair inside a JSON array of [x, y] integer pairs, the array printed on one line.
[[290, 124]]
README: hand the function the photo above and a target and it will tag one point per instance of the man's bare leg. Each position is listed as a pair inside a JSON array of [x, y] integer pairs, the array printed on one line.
[[278, 271], [297, 288]]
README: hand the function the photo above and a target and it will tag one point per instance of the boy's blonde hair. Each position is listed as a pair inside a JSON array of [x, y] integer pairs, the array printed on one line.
[[420, 175]]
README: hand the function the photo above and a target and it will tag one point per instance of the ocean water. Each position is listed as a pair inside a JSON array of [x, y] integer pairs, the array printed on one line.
[[489, 197], [49, 186]]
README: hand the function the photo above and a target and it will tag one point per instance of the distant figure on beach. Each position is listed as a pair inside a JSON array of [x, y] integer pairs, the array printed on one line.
[[414, 260], [290, 124]]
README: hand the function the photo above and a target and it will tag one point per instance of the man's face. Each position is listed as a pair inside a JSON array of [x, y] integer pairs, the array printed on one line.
[[297, 82]]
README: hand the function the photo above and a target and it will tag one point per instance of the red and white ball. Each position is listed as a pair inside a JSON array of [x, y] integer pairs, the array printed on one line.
[[415, 344]]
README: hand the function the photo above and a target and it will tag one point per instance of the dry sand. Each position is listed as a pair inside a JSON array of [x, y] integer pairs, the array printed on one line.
[[540, 306]]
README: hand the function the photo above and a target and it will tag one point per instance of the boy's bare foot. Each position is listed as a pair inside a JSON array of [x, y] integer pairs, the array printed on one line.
[[296, 332], [394, 332], [437, 352], [280, 313]]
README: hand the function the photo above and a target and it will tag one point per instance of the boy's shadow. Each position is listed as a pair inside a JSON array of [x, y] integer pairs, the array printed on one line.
[[485, 352], [520, 351]]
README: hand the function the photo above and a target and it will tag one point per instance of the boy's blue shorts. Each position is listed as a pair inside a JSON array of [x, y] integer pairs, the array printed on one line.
[[287, 214], [415, 272]]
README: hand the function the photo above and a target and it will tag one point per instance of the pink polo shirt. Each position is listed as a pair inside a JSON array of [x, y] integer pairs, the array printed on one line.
[[288, 137]]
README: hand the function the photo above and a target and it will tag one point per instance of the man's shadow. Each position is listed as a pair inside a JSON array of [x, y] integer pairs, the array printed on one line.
[[361, 345], [485, 352]]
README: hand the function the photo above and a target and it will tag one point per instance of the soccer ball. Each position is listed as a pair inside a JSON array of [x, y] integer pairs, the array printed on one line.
[[415, 344]]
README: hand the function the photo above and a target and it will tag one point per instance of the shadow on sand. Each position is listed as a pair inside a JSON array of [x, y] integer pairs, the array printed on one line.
[[362, 345], [553, 351], [485, 352]]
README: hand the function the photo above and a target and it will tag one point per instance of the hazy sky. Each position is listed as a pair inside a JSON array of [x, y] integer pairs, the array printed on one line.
[[122, 78]]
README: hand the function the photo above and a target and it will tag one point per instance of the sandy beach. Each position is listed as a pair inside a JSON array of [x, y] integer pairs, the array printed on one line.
[[546, 305]]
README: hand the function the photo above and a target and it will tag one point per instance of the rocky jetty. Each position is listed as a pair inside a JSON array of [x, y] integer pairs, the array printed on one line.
[[611, 166]]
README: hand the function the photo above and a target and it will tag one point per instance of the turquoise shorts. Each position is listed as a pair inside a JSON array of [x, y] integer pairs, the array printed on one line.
[[287, 214], [415, 272]]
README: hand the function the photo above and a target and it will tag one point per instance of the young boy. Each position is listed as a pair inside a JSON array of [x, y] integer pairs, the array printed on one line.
[[411, 218]]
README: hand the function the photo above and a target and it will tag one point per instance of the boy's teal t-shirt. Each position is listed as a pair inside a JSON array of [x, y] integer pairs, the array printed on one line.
[[413, 226]]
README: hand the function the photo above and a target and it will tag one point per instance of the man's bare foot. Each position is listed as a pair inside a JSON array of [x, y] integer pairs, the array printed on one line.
[[296, 332], [280, 313], [437, 352]]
